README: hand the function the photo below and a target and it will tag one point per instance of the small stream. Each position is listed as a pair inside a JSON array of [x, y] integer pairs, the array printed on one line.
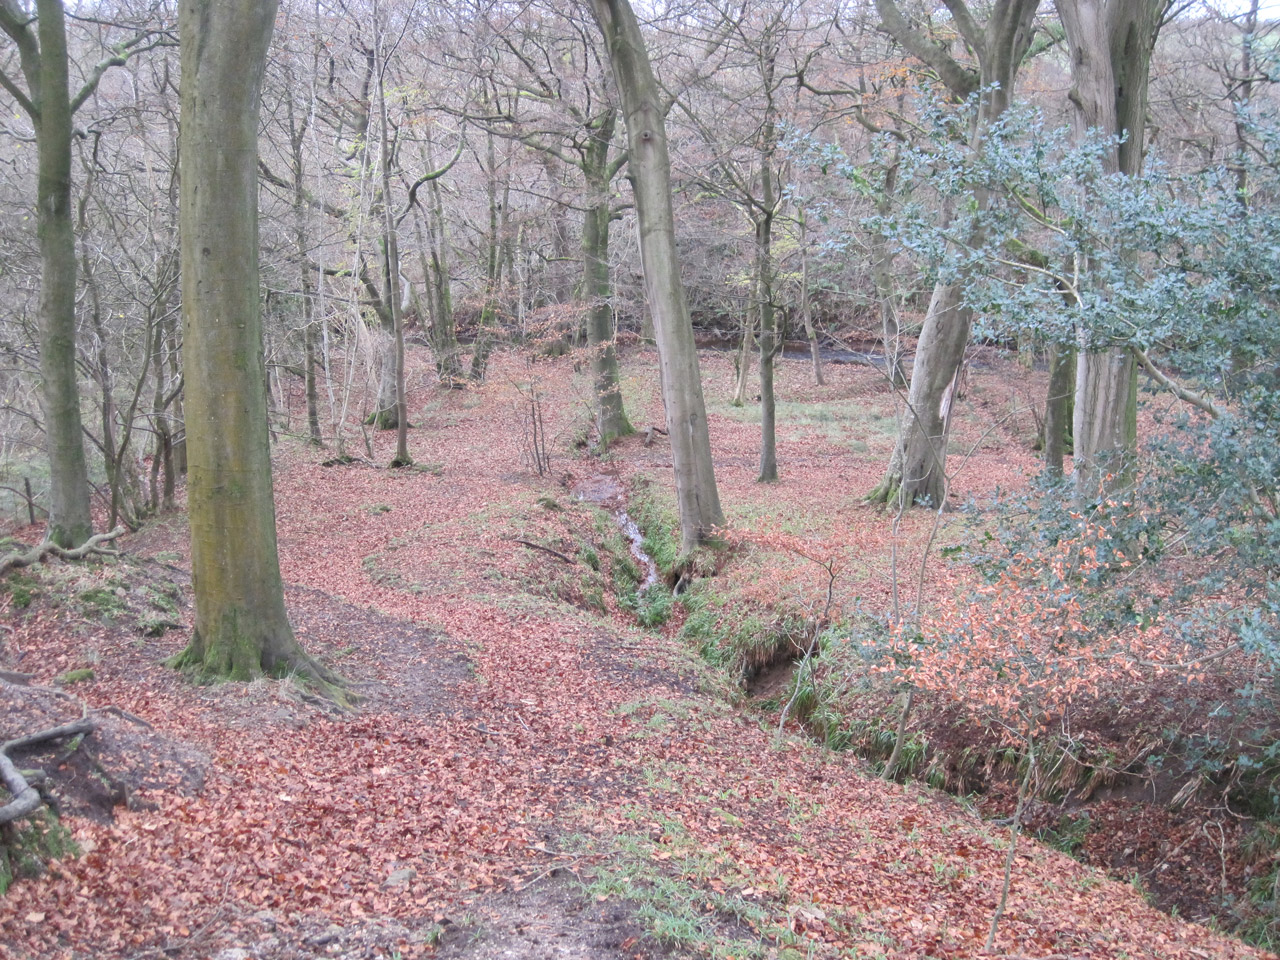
[[605, 491]]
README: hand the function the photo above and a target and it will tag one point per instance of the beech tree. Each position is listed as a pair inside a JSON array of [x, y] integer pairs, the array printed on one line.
[[917, 469], [241, 628], [1111, 43], [650, 175], [569, 114]]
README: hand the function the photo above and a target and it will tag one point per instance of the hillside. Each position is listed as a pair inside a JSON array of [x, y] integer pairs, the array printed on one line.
[[528, 773]]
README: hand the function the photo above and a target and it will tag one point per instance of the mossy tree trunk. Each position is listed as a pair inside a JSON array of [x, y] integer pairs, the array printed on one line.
[[1058, 405], [241, 628], [42, 56], [650, 173], [611, 416]]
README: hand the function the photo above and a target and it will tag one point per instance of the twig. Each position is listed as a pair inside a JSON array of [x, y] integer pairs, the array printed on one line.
[[537, 546]]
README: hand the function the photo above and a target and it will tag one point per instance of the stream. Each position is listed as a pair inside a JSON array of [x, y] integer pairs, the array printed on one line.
[[605, 491]]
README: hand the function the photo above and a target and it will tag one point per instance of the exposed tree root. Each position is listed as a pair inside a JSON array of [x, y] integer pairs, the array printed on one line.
[[40, 552], [26, 798]]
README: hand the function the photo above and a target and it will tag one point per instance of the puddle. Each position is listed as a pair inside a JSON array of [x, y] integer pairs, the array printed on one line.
[[605, 491]]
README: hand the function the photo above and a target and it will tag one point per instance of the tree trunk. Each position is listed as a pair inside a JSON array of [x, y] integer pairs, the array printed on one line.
[[1111, 43], [611, 417], [402, 458], [768, 339], [917, 470], [882, 275], [69, 521], [1058, 406], [444, 338], [493, 268], [241, 628], [742, 365], [806, 303], [650, 173]]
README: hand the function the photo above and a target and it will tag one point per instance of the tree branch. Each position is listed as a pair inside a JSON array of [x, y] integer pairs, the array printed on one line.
[[1182, 393], [961, 81]]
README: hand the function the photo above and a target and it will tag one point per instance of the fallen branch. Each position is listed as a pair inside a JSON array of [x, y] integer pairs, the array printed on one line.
[[648, 434], [537, 546], [26, 798], [40, 552]]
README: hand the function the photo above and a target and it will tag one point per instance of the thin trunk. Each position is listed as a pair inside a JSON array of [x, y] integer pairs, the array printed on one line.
[[493, 264], [746, 345], [444, 338], [402, 458], [764, 269], [1058, 406], [806, 302], [611, 418], [886, 289], [650, 172], [69, 521]]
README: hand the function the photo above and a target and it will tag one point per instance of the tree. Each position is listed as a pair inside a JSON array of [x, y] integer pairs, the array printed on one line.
[[241, 629], [41, 41], [650, 174], [917, 470], [568, 114], [1111, 43]]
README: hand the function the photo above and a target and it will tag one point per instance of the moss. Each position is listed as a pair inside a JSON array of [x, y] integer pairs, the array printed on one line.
[[27, 846], [23, 589], [75, 676], [107, 601]]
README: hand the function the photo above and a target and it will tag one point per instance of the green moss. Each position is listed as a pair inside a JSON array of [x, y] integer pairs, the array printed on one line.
[[75, 676], [106, 601], [27, 846], [23, 589]]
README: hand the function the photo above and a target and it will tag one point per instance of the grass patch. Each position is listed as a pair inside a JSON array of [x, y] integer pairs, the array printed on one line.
[[693, 898], [738, 638]]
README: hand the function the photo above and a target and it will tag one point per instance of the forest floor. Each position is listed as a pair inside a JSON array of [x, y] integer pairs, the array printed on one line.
[[530, 774]]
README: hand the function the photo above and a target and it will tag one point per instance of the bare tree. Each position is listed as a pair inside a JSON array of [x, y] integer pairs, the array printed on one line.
[[650, 175]]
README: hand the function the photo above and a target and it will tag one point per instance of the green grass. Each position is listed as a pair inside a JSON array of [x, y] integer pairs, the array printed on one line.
[[691, 897]]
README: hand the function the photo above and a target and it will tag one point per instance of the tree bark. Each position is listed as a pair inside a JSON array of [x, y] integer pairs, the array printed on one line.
[[1110, 43], [650, 173], [806, 302], [69, 520], [241, 628], [917, 469], [1058, 406], [611, 417]]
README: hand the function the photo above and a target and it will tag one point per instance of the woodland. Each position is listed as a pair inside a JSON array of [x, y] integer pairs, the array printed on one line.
[[770, 479]]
